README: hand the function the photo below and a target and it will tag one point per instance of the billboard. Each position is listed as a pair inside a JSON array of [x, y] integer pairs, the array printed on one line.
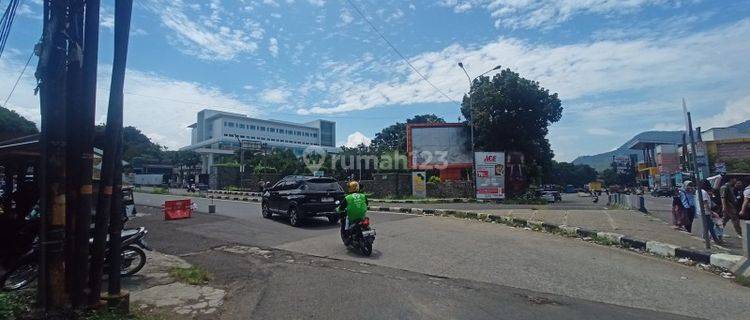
[[622, 163], [490, 175], [419, 184], [438, 146]]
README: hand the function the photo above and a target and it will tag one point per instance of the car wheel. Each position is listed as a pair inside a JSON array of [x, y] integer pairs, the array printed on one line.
[[265, 211], [294, 217], [333, 219]]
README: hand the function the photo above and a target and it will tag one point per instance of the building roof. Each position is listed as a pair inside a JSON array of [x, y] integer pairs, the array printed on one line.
[[220, 114]]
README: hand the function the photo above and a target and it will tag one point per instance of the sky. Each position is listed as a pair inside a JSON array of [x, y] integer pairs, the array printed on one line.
[[620, 67]]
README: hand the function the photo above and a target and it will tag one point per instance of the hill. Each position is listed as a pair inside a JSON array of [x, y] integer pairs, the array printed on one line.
[[602, 161]]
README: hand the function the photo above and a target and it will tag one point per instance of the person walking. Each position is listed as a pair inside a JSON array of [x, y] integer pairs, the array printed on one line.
[[687, 200], [677, 211], [729, 210], [706, 209]]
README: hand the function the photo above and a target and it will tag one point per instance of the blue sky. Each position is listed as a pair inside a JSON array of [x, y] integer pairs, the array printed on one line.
[[620, 67]]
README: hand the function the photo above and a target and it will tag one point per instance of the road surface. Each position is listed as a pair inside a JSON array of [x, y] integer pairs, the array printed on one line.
[[491, 254]]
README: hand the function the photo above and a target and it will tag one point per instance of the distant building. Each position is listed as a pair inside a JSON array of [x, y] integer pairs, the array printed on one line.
[[217, 133]]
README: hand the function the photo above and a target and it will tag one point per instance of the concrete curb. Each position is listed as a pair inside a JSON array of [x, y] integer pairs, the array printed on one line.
[[721, 260]]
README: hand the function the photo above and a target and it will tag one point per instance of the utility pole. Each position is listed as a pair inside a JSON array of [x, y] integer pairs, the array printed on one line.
[[51, 77], [123, 10], [696, 176], [242, 163], [86, 115]]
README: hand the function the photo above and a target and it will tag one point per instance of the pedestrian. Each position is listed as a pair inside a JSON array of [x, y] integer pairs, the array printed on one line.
[[687, 200], [707, 209], [677, 211], [745, 206], [729, 207]]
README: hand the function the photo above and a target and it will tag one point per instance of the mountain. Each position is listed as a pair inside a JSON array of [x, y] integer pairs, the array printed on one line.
[[603, 160]]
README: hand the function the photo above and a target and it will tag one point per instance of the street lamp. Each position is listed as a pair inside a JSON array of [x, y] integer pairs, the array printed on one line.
[[471, 115]]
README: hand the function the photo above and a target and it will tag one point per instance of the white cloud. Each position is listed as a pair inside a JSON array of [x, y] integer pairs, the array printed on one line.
[[276, 95], [346, 16], [734, 112], [575, 71], [273, 47], [664, 126], [547, 13], [159, 106], [600, 131], [357, 138], [318, 3], [211, 39]]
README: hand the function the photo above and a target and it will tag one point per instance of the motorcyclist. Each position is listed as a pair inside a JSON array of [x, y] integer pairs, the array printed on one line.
[[354, 206]]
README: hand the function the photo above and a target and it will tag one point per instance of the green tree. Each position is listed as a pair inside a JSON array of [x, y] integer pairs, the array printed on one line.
[[564, 173], [137, 147], [393, 137], [13, 125], [511, 113]]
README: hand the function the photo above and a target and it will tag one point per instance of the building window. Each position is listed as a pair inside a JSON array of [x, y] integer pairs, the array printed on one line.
[[226, 124], [271, 130], [252, 127], [307, 134], [242, 126], [315, 135], [262, 128]]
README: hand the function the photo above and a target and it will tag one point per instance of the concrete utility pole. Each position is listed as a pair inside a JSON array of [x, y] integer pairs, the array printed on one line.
[[696, 176], [51, 77]]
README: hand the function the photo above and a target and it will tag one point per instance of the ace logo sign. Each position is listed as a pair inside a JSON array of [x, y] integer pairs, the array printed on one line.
[[490, 175]]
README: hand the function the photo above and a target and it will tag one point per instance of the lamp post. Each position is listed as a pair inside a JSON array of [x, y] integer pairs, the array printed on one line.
[[242, 163], [471, 121]]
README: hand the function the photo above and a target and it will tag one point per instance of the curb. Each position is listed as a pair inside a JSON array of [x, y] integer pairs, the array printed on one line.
[[720, 260]]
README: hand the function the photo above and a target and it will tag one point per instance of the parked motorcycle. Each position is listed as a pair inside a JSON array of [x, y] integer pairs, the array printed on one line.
[[359, 236], [26, 269]]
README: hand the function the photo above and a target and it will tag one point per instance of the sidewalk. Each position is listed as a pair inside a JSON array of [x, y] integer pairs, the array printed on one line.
[[626, 222]]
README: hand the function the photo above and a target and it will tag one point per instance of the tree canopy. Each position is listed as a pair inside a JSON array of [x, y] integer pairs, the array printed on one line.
[[565, 173], [511, 113], [393, 137], [14, 125]]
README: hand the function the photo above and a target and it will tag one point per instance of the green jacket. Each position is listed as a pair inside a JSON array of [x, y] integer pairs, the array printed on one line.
[[355, 206]]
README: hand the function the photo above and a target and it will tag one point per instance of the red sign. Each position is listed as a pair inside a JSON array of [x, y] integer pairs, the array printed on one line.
[[177, 209]]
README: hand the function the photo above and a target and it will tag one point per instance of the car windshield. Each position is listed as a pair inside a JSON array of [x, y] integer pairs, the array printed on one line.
[[322, 185]]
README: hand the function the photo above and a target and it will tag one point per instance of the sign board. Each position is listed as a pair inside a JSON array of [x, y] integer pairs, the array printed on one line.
[[438, 146], [251, 145], [177, 209], [318, 173], [622, 163], [490, 175], [419, 184], [720, 168]]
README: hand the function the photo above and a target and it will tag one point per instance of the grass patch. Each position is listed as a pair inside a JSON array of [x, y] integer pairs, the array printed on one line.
[[160, 191], [742, 280], [110, 315], [191, 275], [15, 304], [603, 241]]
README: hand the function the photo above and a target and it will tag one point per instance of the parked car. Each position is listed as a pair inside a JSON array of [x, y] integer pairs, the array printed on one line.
[[299, 197], [551, 196], [662, 192]]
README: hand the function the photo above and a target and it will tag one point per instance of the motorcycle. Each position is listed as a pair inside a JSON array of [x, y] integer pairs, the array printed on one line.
[[26, 269], [359, 235]]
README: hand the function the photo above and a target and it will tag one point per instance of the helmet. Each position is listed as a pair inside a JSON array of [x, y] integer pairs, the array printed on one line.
[[353, 186]]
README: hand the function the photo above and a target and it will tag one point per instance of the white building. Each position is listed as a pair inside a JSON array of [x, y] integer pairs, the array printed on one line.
[[218, 133]]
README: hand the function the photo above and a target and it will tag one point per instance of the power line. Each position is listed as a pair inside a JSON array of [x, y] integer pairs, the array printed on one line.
[[5, 103], [399, 52], [6, 22]]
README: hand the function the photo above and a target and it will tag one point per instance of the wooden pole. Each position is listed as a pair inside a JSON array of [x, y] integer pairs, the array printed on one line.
[[51, 75], [123, 10], [86, 113]]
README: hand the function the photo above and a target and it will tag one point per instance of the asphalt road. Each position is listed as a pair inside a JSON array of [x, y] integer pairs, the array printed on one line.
[[463, 250]]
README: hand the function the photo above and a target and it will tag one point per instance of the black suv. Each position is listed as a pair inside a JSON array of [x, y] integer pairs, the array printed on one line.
[[298, 197]]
